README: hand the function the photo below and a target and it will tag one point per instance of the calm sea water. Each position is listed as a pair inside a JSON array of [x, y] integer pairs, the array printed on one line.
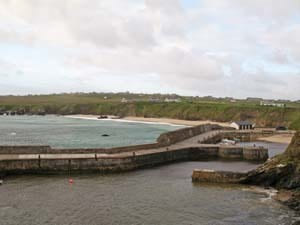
[[62, 132], [161, 195], [274, 148]]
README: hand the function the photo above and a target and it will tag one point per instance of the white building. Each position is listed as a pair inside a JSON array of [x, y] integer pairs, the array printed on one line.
[[270, 103], [124, 100], [172, 100], [243, 125]]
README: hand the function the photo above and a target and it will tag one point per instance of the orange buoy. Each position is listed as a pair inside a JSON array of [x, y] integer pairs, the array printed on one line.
[[71, 181]]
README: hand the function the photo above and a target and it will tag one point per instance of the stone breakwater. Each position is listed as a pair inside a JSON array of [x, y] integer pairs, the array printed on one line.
[[281, 172], [212, 176], [181, 145]]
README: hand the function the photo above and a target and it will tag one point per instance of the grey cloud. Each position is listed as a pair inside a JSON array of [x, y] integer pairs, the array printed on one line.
[[187, 48]]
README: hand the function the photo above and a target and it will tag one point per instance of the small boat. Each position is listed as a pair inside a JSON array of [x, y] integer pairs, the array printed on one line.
[[1, 182], [105, 135]]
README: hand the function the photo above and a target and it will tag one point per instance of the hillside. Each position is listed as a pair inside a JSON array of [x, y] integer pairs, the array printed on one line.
[[139, 105]]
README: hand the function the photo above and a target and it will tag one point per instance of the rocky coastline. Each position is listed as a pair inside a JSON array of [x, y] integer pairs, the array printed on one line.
[[281, 172]]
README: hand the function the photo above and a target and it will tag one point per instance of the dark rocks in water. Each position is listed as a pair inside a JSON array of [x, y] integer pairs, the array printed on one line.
[[105, 135], [41, 113], [277, 175], [102, 117]]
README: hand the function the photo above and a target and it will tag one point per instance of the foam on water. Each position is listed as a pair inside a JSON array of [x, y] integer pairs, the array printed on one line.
[[126, 121]]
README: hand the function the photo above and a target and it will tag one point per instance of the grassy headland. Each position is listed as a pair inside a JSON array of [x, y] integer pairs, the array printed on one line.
[[189, 108]]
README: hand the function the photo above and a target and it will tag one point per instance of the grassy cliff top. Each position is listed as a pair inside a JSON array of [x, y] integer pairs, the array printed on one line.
[[145, 105]]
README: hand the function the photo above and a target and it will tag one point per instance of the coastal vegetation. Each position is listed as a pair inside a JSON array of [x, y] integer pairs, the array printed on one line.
[[283, 173], [141, 105]]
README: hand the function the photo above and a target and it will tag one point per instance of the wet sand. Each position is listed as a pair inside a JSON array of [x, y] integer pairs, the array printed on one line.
[[278, 138], [175, 121], [155, 120]]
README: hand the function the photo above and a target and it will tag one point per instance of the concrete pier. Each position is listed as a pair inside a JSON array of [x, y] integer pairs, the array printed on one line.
[[181, 145]]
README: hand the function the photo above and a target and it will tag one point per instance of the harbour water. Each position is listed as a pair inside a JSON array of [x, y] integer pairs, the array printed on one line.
[[62, 132], [161, 195]]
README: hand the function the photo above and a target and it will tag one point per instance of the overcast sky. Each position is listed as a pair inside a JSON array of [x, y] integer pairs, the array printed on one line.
[[234, 48]]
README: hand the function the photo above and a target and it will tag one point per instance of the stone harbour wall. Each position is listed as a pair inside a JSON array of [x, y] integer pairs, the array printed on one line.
[[185, 133], [167, 149], [211, 176], [163, 140], [57, 163]]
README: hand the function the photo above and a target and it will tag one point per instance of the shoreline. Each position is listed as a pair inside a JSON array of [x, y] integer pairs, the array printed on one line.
[[284, 138], [163, 121], [278, 138]]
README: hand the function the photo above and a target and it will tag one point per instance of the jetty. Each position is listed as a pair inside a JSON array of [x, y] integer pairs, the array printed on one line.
[[187, 144]]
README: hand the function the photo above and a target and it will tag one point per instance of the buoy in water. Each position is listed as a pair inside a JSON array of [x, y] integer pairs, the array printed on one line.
[[71, 181]]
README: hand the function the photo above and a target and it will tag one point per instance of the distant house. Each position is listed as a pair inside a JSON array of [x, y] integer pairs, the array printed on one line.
[[172, 100], [243, 125], [154, 100], [124, 100], [271, 103], [251, 99]]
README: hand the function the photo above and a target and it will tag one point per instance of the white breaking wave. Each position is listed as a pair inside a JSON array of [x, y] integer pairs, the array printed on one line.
[[125, 121]]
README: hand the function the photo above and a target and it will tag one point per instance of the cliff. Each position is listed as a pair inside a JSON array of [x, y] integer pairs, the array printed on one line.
[[281, 172], [221, 112]]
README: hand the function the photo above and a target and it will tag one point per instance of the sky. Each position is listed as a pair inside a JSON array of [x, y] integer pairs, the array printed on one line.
[[234, 48]]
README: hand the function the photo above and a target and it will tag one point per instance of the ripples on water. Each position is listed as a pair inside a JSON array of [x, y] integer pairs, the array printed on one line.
[[161, 195]]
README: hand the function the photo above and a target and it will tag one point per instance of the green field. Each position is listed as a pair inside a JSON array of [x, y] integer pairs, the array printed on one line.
[[190, 108]]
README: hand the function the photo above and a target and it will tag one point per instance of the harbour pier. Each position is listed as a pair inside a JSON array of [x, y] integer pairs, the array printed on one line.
[[187, 144]]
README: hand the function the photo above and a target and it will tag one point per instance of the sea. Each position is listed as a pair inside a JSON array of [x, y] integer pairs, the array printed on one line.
[[160, 195]]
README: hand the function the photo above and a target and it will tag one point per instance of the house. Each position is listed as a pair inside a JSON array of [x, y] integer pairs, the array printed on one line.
[[154, 100], [172, 100], [271, 103], [243, 125], [253, 99], [124, 100]]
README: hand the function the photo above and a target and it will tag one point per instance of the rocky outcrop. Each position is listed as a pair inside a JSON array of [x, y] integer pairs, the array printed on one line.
[[281, 172]]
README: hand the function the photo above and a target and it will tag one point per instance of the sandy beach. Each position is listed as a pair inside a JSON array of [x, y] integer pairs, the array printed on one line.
[[152, 120], [279, 138], [174, 121]]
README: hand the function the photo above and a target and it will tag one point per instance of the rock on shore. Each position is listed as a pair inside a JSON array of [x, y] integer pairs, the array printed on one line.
[[283, 173]]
